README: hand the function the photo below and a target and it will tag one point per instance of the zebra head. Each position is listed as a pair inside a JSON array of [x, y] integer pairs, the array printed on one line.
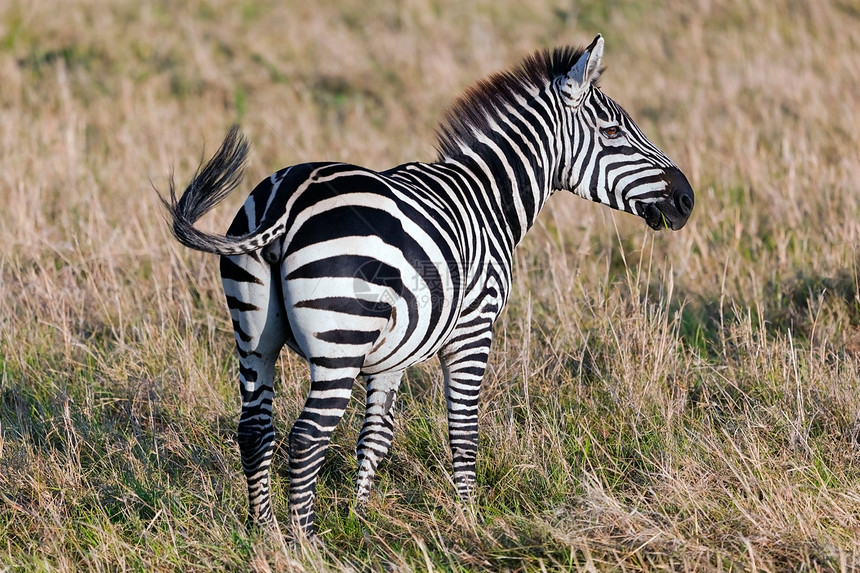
[[607, 158]]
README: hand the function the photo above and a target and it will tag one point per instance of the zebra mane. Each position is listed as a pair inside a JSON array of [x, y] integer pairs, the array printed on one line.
[[468, 115]]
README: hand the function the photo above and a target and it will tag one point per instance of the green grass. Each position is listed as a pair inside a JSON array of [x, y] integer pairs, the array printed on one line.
[[685, 401]]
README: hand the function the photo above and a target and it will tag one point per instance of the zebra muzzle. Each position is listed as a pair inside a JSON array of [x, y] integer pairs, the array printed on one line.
[[673, 211]]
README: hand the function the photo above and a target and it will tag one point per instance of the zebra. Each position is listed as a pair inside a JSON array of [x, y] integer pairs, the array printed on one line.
[[366, 273]]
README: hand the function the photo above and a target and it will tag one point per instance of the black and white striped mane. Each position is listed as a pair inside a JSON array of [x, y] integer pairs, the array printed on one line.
[[468, 115]]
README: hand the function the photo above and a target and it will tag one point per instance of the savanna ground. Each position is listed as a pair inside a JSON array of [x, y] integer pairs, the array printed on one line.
[[683, 401]]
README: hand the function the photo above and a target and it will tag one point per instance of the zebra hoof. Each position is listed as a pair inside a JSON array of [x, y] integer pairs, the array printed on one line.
[[360, 507], [297, 536], [256, 526]]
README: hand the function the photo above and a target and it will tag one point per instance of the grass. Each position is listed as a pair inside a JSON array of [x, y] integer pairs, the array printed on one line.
[[684, 401]]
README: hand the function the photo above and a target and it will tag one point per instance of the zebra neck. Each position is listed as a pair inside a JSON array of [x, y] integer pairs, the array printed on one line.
[[510, 187]]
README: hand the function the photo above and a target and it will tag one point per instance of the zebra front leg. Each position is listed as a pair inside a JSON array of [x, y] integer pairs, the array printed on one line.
[[377, 430], [463, 371], [331, 386]]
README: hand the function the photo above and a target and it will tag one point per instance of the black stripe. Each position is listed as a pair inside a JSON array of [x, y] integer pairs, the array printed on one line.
[[470, 370], [249, 374], [360, 267], [343, 362], [239, 226], [236, 304], [243, 336], [348, 336], [471, 391], [348, 305], [232, 271]]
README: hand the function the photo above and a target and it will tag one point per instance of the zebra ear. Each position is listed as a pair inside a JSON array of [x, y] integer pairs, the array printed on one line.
[[584, 72]]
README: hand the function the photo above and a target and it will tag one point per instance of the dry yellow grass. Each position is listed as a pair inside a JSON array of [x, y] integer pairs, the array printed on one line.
[[687, 401]]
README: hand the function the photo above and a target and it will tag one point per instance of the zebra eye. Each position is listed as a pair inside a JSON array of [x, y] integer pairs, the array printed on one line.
[[611, 132]]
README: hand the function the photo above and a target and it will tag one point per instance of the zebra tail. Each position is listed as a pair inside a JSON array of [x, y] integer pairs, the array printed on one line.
[[211, 184]]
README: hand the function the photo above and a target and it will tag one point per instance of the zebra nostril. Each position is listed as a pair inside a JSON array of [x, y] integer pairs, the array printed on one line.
[[684, 201]]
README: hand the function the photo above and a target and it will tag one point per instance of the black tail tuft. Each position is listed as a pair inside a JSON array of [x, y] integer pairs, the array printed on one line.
[[210, 186]]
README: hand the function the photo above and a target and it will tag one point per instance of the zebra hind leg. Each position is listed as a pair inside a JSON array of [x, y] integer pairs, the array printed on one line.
[[261, 329], [256, 435], [331, 386], [376, 432]]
